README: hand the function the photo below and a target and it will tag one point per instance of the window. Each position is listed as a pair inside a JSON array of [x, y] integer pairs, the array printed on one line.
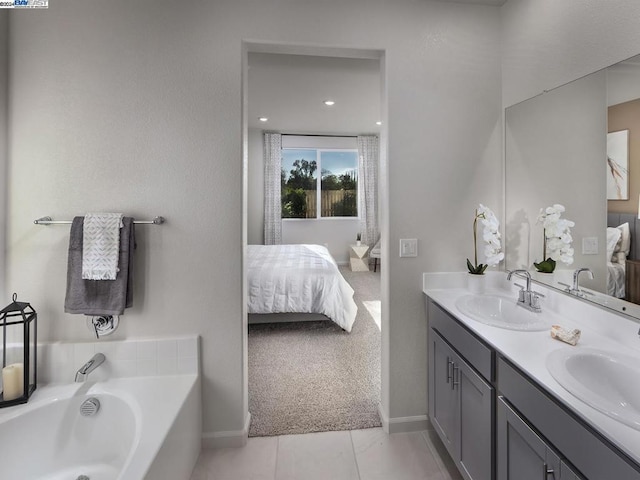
[[335, 190]]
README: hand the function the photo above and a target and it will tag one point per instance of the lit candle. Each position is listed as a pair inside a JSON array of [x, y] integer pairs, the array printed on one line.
[[12, 381]]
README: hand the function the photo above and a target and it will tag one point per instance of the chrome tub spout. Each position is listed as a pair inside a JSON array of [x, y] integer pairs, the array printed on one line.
[[90, 366]]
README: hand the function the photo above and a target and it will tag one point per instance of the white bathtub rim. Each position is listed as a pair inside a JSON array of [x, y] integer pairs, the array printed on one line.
[[157, 430], [162, 410]]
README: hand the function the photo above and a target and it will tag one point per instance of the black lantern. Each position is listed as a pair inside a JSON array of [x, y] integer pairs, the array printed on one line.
[[18, 321]]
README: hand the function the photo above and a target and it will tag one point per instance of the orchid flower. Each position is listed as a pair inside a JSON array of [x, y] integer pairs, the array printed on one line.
[[491, 238], [557, 238]]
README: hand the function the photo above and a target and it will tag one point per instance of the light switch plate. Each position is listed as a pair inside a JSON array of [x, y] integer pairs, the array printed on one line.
[[590, 245], [408, 247]]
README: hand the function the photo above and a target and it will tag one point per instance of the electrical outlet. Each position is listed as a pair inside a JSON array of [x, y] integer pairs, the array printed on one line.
[[590, 245], [408, 247]]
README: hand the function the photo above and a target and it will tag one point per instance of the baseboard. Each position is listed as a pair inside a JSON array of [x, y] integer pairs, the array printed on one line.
[[230, 439], [403, 424], [254, 318]]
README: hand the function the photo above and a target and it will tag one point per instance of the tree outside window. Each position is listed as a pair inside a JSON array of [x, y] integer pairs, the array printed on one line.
[[337, 193]]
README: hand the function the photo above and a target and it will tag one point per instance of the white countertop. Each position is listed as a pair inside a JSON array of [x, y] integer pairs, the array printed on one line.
[[528, 350]]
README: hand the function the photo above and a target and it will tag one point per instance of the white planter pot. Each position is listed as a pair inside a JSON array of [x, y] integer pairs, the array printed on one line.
[[476, 283]]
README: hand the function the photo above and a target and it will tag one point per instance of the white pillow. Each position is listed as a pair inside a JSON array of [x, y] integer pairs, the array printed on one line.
[[613, 235], [619, 258], [625, 239]]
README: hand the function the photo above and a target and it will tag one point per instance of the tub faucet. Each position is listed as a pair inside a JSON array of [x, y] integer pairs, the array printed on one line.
[[90, 366], [527, 298]]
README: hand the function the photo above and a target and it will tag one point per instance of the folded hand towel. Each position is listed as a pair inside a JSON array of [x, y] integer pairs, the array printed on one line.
[[100, 246], [91, 297]]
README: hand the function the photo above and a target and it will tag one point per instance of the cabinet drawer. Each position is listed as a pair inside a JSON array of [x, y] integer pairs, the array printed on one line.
[[583, 447], [466, 343]]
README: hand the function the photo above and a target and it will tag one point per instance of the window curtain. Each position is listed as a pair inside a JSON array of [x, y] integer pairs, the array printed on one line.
[[368, 188], [272, 179]]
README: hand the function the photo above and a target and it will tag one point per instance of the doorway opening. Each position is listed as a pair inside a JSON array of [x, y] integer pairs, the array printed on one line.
[[301, 376]]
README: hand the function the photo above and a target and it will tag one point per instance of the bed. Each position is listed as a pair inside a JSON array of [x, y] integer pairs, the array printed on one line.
[[297, 279], [622, 230], [616, 279]]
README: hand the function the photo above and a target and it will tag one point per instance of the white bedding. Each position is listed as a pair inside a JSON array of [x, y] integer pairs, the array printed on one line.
[[615, 279], [298, 278]]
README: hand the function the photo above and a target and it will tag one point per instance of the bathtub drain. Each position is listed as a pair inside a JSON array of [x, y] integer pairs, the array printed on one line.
[[89, 408], [83, 477]]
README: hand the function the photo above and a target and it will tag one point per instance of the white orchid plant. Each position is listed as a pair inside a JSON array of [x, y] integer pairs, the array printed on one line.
[[490, 236], [557, 238]]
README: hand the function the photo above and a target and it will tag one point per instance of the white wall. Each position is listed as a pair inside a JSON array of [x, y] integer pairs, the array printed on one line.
[[138, 109], [547, 43], [623, 83], [4, 148], [444, 134], [336, 233]]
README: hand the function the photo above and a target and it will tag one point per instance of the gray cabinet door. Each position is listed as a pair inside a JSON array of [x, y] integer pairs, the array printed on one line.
[[475, 423], [461, 411], [566, 473], [442, 395], [522, 454]]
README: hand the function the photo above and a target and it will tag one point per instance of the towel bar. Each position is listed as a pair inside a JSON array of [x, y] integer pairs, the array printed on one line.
[[50, 221]]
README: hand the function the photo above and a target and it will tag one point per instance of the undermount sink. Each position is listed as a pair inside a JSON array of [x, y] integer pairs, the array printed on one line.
[[503, 312], [607, 381]]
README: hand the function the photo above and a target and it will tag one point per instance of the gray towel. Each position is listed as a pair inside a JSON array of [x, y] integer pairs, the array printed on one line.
[[100, 297]]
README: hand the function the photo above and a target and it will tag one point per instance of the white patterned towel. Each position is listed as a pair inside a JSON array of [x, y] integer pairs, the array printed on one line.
[[101, 246]]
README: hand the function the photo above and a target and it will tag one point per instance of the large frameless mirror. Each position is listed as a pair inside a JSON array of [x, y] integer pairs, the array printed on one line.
[[579, 146]]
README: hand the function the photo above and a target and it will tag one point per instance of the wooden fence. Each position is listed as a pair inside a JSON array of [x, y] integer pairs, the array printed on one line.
[[329, 200]]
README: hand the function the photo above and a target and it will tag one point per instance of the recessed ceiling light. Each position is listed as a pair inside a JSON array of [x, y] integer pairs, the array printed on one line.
[[329, 102], [378, 122], [263, 119]]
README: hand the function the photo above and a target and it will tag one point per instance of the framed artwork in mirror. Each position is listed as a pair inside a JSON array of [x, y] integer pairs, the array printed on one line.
[[618, 165]]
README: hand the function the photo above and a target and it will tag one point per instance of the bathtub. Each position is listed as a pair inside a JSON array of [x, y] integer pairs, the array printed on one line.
[[147, 428]]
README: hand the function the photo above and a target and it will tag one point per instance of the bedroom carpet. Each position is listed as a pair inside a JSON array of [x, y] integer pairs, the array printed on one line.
[[312, 376]]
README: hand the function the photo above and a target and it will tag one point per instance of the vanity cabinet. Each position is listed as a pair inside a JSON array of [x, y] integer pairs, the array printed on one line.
[[460, 399], [579, 445], [498, 423]]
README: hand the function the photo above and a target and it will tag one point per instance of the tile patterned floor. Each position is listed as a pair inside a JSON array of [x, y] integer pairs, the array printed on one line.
[[367, 454]]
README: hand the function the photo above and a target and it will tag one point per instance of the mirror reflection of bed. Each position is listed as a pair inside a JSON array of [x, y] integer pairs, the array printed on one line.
[[623, 254], [623, 123], [314, 328]]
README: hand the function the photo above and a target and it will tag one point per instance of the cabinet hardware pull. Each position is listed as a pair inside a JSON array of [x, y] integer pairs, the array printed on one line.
[[456, 376], [546, 471], [449, 365]]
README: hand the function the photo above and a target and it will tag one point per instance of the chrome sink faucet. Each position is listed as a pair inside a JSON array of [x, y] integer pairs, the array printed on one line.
[[575, 288], [527, 298], [90, 366], [576, 280]]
